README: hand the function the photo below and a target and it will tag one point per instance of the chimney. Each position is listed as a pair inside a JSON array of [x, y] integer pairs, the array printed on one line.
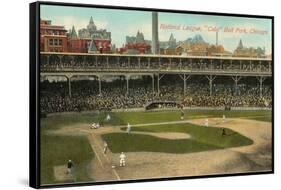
[[155, 40]]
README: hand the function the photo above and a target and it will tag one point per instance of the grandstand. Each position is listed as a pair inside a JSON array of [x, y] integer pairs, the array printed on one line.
[[83, 82]]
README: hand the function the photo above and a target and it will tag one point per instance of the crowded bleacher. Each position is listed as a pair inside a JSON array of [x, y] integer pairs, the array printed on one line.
[[86, 97]]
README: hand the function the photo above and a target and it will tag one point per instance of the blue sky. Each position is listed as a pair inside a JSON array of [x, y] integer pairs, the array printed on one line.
[[125, 22]]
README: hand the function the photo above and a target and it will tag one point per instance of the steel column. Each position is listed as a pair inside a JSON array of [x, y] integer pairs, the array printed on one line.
[[69, 86], [236, 80], [99, 78], [127, 83], [152, 78], [211, 78]]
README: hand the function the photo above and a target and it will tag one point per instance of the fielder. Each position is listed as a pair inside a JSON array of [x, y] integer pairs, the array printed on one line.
[[122, 159], [108, 117], [223, 118], [223, 132], [207, 122], [128, 128], [182, 114], [105, 147]]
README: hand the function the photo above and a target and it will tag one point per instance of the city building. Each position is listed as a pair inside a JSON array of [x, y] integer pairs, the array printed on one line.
[[169, 47], [242, 51], [194, 46], [136, 45], [53, 38], [98, 41], [197, 46], [218, 50], [77, 44]]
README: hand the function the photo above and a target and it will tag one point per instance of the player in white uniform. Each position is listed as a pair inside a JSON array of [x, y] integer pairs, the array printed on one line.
[[223, 118], [93, 126], [207, 122], [108, 117], [122, 159], [105, 146], [128, 128]]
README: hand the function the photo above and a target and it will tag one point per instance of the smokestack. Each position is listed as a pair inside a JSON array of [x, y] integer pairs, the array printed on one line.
[[217, 38], [155, 40]]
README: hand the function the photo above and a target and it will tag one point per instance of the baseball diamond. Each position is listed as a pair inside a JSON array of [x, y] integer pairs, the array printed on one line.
[[199, 120], [187, 147]]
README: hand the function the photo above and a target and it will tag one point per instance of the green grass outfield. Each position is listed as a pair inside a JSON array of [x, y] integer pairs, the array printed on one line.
[[56, 150], [202, 139]]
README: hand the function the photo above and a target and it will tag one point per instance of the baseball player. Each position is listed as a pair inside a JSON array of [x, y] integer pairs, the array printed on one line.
[[122, 159], [128, 128], [108, 117], [93, 126], [70, 165], [223, 132], [182, 114], [207, 122], [223, 118], [105, 146]]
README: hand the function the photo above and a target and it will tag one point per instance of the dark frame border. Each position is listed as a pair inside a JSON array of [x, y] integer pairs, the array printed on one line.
[[34, 96]]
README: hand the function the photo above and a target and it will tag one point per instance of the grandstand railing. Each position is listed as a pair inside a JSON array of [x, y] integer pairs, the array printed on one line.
[[150, 64], [91, 70]]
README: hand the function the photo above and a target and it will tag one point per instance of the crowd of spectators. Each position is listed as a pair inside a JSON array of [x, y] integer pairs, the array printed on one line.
[[85, 95]]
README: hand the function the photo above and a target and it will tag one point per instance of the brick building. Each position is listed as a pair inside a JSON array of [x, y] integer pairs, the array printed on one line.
[[77, 44], [53, 38], [97, 40], [242, 51], [136, 45]]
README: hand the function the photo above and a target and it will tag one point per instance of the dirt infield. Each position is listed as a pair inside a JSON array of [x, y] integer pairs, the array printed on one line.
[[141, 165]]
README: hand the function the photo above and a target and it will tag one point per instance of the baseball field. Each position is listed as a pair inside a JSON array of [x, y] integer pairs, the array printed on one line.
[[160, 144]]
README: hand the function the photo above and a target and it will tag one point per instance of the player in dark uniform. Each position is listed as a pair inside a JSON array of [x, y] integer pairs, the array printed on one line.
[[70, 165], [223, 132]]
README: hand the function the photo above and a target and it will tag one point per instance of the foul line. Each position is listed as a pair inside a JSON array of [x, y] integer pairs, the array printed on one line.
[[97, 144], [114, 171], [97, 155], [188, 121]]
